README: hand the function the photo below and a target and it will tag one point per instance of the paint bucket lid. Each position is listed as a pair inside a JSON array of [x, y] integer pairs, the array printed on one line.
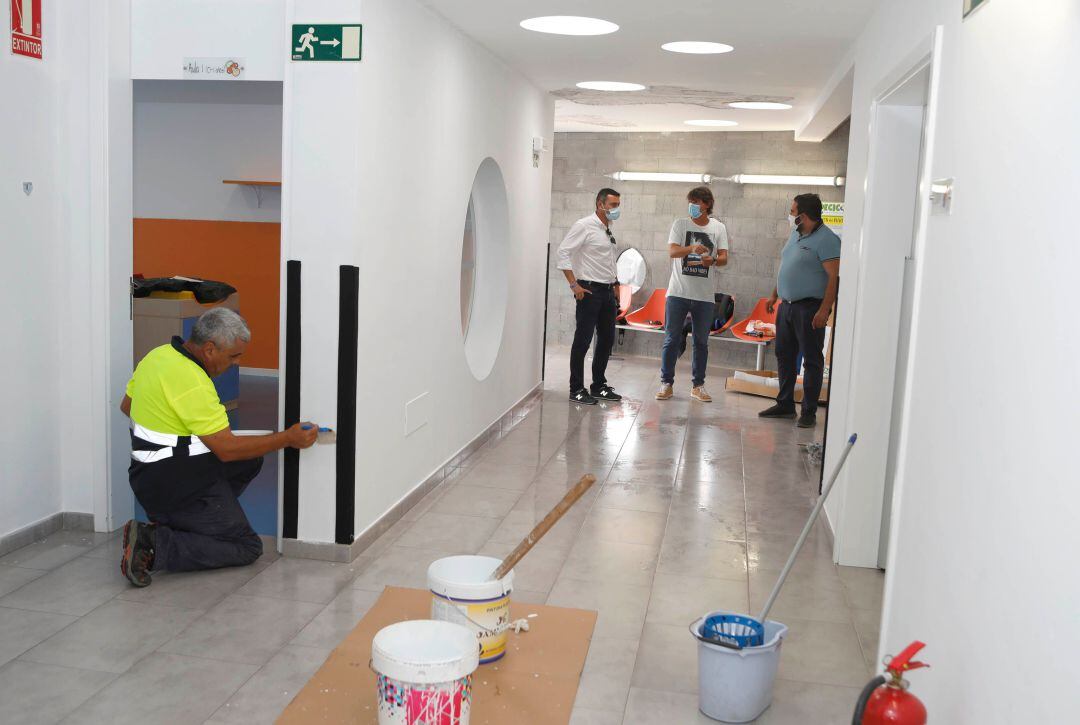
[[424, 651], [468, 577]]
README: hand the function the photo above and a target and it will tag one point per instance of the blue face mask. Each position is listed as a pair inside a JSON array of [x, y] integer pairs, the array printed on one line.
[[612, 214], [695, 211]]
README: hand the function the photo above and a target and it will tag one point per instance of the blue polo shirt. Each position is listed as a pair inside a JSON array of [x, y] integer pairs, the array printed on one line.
[[801, 274]]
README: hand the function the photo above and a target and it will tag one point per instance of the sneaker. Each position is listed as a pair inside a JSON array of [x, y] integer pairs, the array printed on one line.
[[699, 393], [582, 397], [606, 392], [665, 392], [777, 411], [807, 420], [137, 558]]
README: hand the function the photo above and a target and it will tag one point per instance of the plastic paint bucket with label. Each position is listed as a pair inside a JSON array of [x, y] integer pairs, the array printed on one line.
[[463, 592]]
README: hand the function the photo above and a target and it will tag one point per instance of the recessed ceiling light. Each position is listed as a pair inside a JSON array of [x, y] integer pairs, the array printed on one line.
[[760, 106], [569, 25], [710, 122], [698, 47], [610, 86]]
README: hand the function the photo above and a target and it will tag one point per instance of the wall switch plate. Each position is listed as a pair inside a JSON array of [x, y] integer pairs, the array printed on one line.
[[28, 187], [941, 196]]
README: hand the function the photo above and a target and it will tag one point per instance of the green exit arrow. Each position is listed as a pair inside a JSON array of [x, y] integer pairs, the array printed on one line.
[[312, 42]]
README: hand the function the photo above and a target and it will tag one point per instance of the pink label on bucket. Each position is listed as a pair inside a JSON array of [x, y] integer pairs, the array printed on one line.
[[412, 704]]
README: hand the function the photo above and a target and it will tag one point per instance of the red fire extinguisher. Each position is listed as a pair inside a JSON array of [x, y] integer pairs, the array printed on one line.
[[886, 701]]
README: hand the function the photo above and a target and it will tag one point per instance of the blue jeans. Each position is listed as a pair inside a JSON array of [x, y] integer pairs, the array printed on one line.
[[701, 319]]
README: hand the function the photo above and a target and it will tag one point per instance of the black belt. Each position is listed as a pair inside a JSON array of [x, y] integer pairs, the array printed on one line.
[[815, 300], [597, 284]]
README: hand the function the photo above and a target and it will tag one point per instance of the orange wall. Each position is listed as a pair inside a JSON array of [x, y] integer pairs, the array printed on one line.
[[247, 255]]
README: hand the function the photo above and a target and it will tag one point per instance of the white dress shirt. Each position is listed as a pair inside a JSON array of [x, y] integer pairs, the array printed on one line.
[[587, 251]]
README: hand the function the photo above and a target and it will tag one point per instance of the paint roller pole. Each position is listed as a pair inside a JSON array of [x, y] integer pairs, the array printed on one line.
[[806, 529], [542, 528]]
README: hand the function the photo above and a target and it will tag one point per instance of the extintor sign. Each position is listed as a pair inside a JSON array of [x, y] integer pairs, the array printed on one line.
[[26, 28]]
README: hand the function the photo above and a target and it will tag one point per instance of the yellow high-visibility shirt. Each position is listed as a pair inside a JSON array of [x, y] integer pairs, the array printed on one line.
[[171, 393]]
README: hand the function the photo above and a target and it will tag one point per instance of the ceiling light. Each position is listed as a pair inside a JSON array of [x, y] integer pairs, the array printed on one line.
[[760, 106], [569, 25], [715, 122], [661, 176], [788, 180], [610, 86], [697, 47]]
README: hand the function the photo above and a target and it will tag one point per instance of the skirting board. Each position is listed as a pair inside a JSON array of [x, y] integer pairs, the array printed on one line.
[[48, 525], [346, 553]]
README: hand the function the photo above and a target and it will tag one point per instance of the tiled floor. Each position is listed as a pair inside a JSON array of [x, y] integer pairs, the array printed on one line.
[[695, 509]]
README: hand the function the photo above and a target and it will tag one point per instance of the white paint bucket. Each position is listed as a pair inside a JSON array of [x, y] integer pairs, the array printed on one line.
[[464, 592], [424, 672]]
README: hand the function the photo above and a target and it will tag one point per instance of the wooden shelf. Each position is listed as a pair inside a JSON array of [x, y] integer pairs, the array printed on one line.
[[258, 186]]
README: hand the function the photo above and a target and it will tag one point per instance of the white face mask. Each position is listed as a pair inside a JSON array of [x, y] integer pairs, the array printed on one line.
[[791, 220]]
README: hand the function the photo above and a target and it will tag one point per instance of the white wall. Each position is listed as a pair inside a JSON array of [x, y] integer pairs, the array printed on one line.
[[190, 135], [167, 31], [986, 503], [63, 303], [379, 162]]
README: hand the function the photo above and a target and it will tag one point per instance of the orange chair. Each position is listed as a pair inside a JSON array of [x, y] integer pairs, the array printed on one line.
[[625, 299], [758, 313], [727, 325], [651, 316]]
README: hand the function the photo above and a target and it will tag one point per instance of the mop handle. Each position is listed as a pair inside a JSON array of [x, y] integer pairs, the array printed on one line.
[[806, 529]]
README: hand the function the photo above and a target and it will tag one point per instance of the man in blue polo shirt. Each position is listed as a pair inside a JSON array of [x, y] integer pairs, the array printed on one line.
[[806, 286]]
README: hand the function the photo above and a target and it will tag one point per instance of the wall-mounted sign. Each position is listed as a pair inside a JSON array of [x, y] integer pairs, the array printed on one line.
[[214, 69], [326, 42], [832, 213], [971, 6], [26, 28]]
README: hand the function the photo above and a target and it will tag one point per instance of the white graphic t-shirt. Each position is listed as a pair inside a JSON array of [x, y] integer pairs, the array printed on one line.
[[694, 281]]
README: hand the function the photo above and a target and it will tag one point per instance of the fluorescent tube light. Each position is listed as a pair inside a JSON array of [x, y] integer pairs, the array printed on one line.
[[697, 47], [788, 180], [569, 25], [661, 176]]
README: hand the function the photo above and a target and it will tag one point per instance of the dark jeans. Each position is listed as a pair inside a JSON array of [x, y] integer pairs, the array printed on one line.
[[701, 318], [596, 314], [209, 530], [795, 334]]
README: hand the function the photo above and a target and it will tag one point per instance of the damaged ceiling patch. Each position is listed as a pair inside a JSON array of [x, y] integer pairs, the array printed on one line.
[[659, 95], [590, 120]]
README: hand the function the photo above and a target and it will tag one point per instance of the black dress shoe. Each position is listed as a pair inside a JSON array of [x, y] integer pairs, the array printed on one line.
[[807, 420], [606, 392], [582, 397], [777, 411]]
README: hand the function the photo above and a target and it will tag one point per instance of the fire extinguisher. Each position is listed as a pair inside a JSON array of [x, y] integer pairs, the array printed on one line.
[[886, 701]]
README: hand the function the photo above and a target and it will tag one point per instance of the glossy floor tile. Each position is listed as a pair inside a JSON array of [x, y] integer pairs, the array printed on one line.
[[695, 508]]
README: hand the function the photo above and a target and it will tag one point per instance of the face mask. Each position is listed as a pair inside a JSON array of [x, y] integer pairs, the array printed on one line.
[[792, 220], [695, 211], [612, 214]]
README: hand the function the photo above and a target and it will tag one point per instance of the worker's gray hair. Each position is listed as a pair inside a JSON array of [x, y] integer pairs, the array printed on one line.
[[221, 326]]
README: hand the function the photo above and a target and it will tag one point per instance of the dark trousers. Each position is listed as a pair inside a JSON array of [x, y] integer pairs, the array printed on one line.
[[795, 334], [701, 318], [595, 314], [208, 530]]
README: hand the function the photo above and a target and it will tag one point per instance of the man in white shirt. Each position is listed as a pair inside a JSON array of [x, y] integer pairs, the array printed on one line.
[[587, 259], [696, 244]]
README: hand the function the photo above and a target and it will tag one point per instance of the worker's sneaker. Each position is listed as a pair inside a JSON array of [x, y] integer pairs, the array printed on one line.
[[137, 558], [699, 393], [665, 392], [807, 420], [582, 397], [606, 392], [777, 411]]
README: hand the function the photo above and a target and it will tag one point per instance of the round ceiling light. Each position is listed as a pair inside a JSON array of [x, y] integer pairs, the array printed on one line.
[[697, 47], [569, 25], [760, 106], [610, 86], [715, 122]]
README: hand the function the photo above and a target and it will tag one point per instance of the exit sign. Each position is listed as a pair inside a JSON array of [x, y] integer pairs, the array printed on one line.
[[312, 42]]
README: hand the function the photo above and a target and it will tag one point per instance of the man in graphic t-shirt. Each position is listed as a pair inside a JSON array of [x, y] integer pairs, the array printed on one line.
[[697, 244]]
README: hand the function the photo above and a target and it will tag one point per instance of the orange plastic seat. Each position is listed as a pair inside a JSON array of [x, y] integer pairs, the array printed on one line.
[[651, 316], [758, 313], [625, 298], [730, 323]]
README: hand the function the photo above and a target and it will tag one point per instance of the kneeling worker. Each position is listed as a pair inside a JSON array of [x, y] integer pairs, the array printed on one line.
[[187, 468]]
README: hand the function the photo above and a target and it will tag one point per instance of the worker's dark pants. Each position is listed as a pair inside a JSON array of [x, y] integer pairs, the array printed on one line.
[[596, 314], [795, 333], [208, 529]]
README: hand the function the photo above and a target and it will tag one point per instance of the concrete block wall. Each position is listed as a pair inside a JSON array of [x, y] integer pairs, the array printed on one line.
[[755, 215]]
